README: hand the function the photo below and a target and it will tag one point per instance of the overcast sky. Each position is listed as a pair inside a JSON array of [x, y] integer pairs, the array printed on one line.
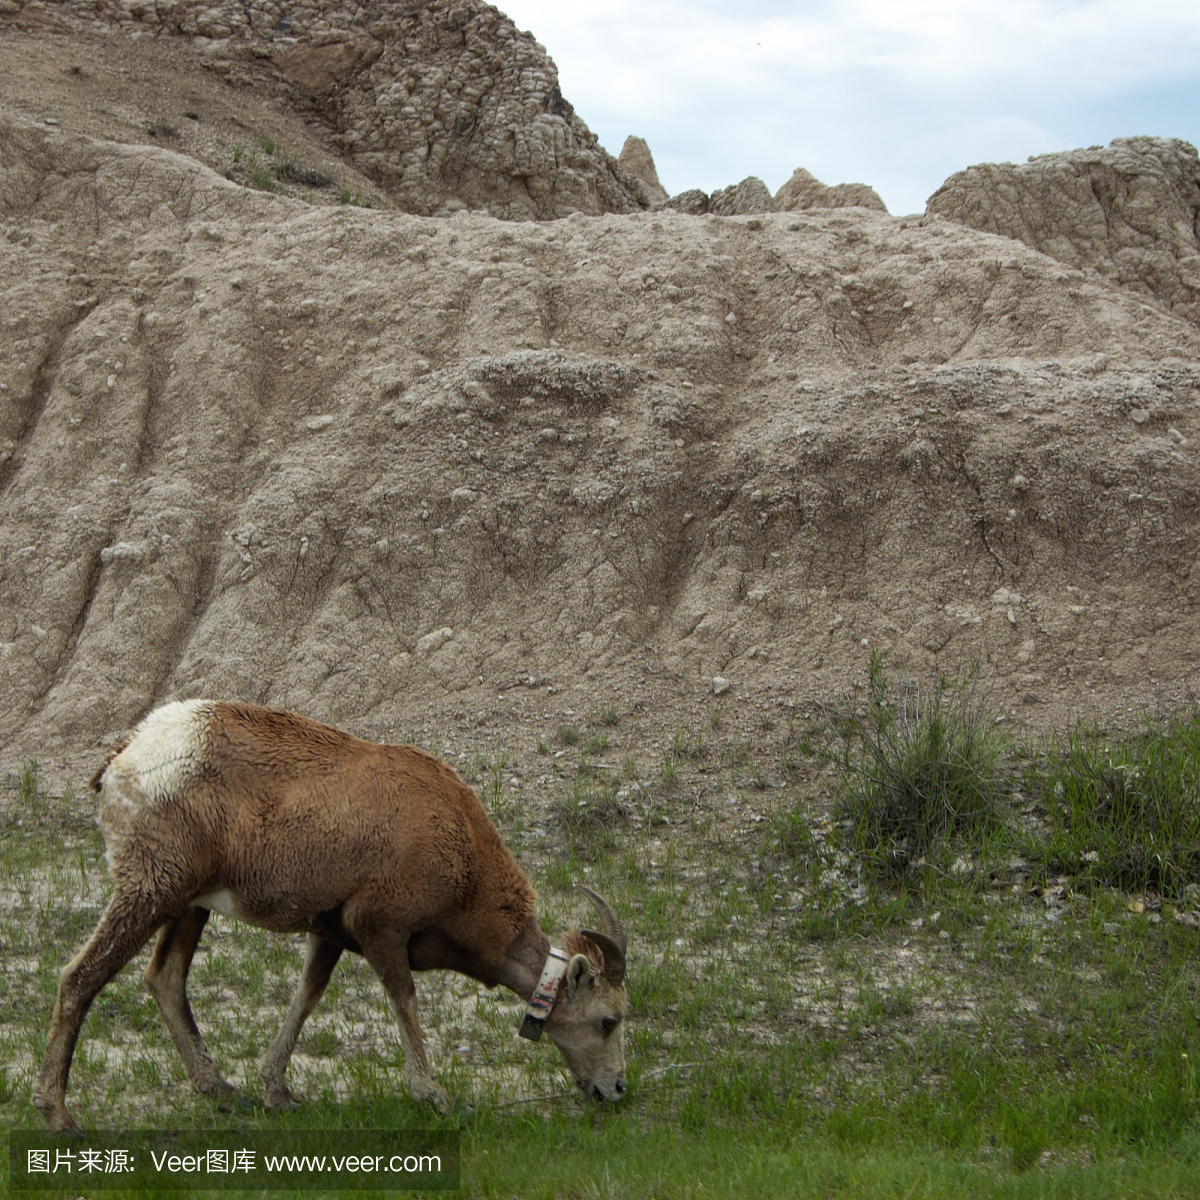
[[895, 93]]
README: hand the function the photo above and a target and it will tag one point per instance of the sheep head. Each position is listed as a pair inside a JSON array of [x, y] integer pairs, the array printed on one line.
[[588, 1022]]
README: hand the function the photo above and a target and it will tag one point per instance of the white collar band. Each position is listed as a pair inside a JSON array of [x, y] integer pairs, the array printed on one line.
[[541, 1003]]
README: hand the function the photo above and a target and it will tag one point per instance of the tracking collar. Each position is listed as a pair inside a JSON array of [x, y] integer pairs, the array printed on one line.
[[541, 1003]]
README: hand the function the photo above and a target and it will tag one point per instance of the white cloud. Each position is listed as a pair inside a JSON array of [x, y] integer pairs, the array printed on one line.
[[896, 93]]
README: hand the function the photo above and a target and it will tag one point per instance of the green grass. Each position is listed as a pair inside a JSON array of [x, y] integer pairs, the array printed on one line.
[[669, 773], [738, 753], [492, 793], [28, 787], [1124, 812], [589, 816], [920, 769], [801, 1023], [688, 744]]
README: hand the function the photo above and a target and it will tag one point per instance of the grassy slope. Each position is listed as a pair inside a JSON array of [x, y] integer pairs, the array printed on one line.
[[799, 1027]]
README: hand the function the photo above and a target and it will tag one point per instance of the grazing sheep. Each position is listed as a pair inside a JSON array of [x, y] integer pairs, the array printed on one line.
[[294, 826]]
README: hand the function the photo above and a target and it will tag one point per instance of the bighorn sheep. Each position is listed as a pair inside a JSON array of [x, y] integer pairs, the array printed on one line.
[[379, 849]]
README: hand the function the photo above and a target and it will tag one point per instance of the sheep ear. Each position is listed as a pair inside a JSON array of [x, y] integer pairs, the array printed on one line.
[[578, 970], [614, 956]]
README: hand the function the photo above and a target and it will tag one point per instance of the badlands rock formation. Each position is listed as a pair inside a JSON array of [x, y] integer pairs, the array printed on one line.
[[801, 191], [637, 160], [363, 462], [1129, 212], [742, 199], [804, 190], [442, 103]]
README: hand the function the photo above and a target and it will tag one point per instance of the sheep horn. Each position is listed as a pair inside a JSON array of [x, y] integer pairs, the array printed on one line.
[[608, 918], [614, 956]]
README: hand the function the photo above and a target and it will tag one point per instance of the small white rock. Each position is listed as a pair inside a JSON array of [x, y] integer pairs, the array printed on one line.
[[434, 641], [720, 685], [316, 423], [121, 550]]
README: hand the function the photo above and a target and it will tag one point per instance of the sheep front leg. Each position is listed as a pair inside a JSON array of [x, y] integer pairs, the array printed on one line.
[[388, 956], [320, 959]]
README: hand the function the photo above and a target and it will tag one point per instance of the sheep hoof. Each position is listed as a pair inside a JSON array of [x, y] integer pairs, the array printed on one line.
[[280, 1099], [229, 1099], [57, 1119], [432, 1093]]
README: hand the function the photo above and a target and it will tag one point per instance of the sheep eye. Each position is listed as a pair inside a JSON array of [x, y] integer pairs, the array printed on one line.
[[608, 1024]]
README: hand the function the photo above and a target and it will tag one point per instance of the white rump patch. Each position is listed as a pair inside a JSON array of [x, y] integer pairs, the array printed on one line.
[[164, 754]]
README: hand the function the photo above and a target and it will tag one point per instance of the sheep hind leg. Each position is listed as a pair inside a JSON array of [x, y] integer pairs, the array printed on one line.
[[124, 929], [167, 979], [388, 957], [320, 959]]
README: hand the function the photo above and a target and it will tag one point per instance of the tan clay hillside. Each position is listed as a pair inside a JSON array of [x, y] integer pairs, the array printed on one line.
[[391, 469]]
